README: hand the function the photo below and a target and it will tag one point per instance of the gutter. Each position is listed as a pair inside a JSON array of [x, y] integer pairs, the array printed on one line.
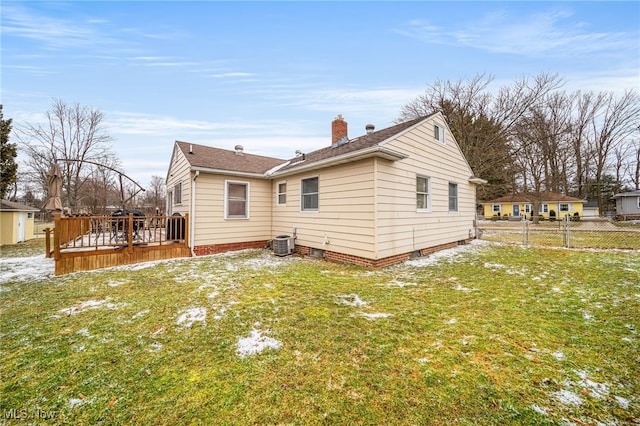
[[192, 213], [374, 151], [226, 172]]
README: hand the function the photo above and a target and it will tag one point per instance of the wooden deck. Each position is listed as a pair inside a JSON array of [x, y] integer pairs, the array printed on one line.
[[84, 243]]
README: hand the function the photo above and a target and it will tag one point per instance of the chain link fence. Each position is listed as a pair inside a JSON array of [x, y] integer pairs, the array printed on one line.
[[601, 234]]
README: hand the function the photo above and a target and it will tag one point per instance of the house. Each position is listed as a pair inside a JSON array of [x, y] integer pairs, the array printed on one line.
[[590, 209], [16, 222], [628, 205], [374, 200], [522, 205]]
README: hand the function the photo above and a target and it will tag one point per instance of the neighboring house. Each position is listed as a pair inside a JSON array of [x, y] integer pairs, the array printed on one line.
[[522, 205], [590, 209], [374, 200], [16, 222], [628, 205]]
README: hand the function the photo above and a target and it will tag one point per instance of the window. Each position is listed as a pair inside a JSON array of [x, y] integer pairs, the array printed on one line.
[[309, 199], [528, 208], [29, 215], [438, 133], [177, 193], [639, 202], [236, 200], [453, 197], [496, 208], [544, 208], [281, 196], [564, 207], [423, 196]]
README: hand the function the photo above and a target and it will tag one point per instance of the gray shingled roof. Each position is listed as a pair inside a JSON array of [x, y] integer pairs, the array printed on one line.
[[6, 205], [224, 159], [353, 145]]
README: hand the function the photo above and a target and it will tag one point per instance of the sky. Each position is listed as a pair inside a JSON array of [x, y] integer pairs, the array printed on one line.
[[271, 76]]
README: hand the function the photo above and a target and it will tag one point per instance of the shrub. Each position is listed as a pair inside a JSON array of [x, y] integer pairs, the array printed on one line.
[[552, 215]]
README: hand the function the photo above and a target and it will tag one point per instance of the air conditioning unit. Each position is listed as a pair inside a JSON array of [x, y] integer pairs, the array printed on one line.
[[283, 245]]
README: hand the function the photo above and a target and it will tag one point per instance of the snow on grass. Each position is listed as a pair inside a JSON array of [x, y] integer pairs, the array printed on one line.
[[191, 316], [539, 410], [29, 269], [255, 343], [375, 315], [83, 306], [451, 255], [567, 397], [351, 300]]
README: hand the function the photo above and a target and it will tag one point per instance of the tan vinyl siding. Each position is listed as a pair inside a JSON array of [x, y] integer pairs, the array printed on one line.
[[179, 171], [401, 228], [345, 219], [211, 225]]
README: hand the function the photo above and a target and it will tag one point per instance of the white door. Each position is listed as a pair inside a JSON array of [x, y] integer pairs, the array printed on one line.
[[22, 223]]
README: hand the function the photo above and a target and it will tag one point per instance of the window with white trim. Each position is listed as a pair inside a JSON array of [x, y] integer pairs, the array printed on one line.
[[236, 205], [281, 196], [177, 193], [544, 208], [423, 193], [438, 133], [310, 192], [564, 207], [528, 208], [453, 197], [496, 208]]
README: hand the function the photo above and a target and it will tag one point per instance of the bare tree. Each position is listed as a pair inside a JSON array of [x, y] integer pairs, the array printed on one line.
[[71, 132], [155, 195], [485, 122], [617, 120]]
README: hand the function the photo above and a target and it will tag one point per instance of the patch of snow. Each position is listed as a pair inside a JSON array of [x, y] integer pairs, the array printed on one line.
[[27, 269], [140, 314], [115, 283], [452, 254], [567, 397], [423, 360], [465, 289], [556, 290], [452, 321], [155, 347], [84, 332], [597, 390], [375, 315], [539, 410], [351, 300], [622, 402], [213, 295], [255, 343], [401, 284], [559, 355], [586, 315], [191, 316], [83, 306]]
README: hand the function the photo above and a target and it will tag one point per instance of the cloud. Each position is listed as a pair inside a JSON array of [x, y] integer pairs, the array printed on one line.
[[549, 33]]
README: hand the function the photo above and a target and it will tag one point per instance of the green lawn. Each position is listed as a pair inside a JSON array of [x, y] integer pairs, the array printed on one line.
[[492, 334]]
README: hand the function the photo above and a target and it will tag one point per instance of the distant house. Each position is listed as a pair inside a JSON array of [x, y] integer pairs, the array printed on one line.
[[591, 209], [522, 205], [16, 222], [628, 205], [374, 200]]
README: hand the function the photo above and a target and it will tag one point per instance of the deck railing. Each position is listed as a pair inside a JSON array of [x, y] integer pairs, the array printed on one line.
[[76, 236]]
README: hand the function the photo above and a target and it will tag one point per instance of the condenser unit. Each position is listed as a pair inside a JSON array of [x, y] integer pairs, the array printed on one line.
[[283, 245]]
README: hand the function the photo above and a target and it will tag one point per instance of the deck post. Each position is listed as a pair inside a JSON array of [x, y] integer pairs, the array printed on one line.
[[57, 227], [47, 242], [186, 230], [130, 234]]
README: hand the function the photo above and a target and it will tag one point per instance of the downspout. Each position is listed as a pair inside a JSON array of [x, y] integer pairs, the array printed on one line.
[[192, 214]]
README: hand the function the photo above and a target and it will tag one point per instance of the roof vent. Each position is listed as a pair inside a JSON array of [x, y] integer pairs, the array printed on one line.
[[190, 149], [239, 149], [369, 128], [298, 153]]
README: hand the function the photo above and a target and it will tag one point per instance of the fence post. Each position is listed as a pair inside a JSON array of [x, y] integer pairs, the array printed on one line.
[[525, 236], [567, 227]]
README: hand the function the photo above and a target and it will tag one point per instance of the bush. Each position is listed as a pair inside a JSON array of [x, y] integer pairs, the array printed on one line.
[[552, 215], [576, 217]]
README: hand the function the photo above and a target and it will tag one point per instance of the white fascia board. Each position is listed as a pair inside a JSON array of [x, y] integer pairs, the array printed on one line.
[[226, 172]]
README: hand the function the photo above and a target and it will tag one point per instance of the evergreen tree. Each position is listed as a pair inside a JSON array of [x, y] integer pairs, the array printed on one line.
[[8, 153]]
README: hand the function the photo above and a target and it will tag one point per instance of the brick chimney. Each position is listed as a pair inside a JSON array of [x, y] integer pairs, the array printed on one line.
[[338, 130]]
